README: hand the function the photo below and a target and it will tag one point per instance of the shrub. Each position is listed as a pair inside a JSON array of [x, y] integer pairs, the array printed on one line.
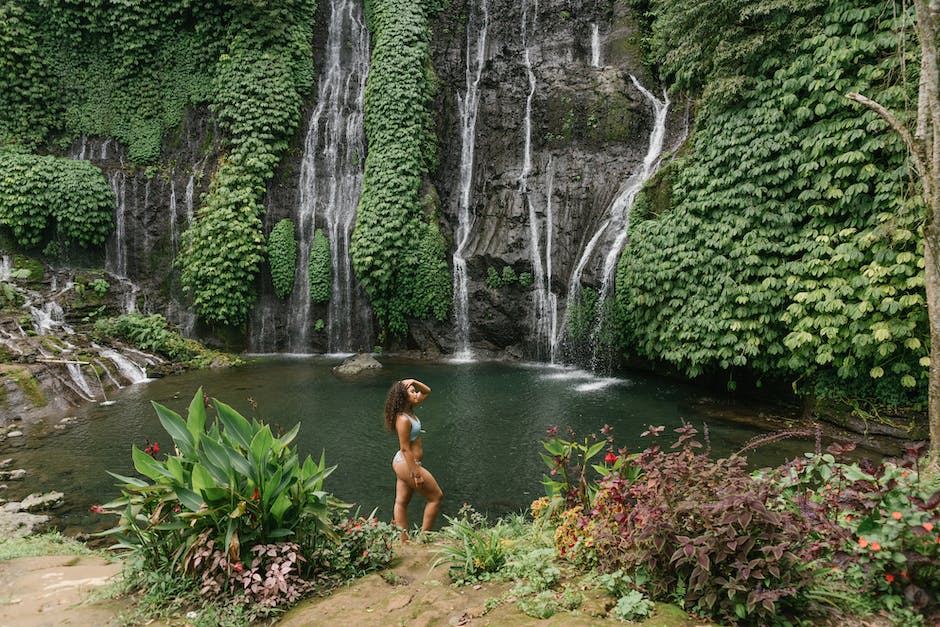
[[880, 523], [152, 333], [320, 268], [73, 195], [282, 256], [476, 550], [704, 532], [493, 280], [228, 488]]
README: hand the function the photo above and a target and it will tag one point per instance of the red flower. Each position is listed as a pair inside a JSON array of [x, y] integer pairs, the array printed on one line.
[[365, 553], [889, 577], [862, 542], [875, 546], [896, 515], [928, 526], [255, 494], [238, 567], [610, 458], [98, 509]]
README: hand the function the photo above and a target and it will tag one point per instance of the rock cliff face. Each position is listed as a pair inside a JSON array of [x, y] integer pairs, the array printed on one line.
[[560, 129], [566, 66]]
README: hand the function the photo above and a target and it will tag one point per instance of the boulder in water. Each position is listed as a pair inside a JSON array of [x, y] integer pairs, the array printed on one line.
[[357, 364]]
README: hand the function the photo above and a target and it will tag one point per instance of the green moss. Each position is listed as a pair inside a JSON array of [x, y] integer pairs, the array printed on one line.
[[24, 379], [35, 268], [559, 121], [610, 118]]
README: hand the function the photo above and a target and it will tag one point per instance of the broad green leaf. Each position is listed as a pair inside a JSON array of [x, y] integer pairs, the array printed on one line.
[[175, 426], [148, 466], [196, 421], [234, 425]]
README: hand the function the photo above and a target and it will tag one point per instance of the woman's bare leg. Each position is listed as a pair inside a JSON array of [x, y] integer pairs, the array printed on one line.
[[403, 494], [432, 492]]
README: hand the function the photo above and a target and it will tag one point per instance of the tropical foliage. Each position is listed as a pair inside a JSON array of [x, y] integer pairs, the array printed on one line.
[[236, 510], [43, 197], [791, 245], [320, 268], [747, 548], [130, 71], [152, 333], [402, 150], [282, 257]]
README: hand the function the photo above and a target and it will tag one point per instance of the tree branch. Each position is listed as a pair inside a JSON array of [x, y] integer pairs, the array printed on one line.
[[913, 146]]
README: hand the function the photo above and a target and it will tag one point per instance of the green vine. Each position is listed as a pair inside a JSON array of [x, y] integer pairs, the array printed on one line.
[[74, 195], [29, 104], [391, 223], [282, 257], [791, 245], [320, 268], [258, 91]]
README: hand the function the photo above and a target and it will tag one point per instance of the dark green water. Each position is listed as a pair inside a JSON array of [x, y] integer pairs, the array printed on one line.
[[484, 423]]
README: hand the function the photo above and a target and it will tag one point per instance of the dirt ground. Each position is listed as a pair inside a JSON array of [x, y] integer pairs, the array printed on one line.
[[52, 591]]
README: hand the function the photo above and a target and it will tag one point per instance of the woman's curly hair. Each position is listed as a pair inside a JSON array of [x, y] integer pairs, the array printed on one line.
[[395, 403]]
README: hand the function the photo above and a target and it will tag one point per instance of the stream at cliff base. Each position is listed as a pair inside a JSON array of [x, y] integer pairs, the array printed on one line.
[[484, 422]]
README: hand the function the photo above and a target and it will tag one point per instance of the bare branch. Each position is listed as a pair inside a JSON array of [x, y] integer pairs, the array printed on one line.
[[913, 146]]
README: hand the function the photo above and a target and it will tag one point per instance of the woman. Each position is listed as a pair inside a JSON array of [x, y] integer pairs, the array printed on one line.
[[403, 397]]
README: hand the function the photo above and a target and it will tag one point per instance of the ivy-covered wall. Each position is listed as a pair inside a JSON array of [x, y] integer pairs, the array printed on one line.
[[129, 69], [57, 200], [791, 245], [398, 252]]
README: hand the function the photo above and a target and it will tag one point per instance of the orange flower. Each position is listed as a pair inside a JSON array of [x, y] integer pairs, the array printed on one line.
[[875, 546], [896, 515], [862, 542], [905, 473], [848, 518], [928, 526], [889, 577]]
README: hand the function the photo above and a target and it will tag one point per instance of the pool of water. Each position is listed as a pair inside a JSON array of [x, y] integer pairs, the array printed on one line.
[[484, 423]]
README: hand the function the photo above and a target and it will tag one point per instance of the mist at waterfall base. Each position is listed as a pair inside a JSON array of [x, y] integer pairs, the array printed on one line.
[[484, 423]]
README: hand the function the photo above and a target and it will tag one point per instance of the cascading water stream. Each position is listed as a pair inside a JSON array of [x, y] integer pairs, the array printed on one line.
[[618, 215], [331, 179], [595, 45], [541, 284], [116, 250], [468, 106]]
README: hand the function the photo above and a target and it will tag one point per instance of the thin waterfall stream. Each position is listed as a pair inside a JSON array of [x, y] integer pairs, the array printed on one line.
[[468, 105], [542, 313], [618, 215]]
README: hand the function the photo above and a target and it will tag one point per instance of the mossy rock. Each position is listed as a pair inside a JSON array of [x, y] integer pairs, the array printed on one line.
[[35, 268], [560, 116], [27, 383], [656, 197], [610, 118]]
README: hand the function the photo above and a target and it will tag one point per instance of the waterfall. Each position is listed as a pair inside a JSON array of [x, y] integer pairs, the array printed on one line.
[[331, 178], [116, 250], [468, 106], [128, 369], [543, 309], [81, 385], [551, 298], [595, 46], [47, 318], [6, 267], [617, 221], [174, 235]]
